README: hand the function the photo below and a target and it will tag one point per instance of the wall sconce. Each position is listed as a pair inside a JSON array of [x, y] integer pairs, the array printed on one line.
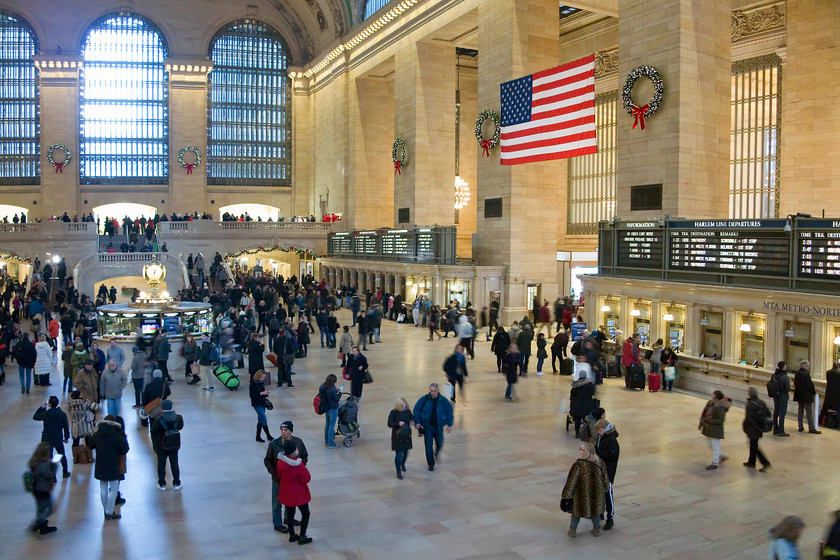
[[635, 312], [704, 321], [790, 333], [605, 308], [668, 316], [745, 326], [837, 340]]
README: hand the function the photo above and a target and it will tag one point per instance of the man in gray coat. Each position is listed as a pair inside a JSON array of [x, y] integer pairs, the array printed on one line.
[[111, 384]]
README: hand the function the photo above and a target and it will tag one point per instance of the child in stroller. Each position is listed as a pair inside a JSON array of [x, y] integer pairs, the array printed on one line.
[[348, 415]]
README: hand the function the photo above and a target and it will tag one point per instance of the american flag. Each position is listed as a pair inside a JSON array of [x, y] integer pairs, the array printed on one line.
[[549, 115]]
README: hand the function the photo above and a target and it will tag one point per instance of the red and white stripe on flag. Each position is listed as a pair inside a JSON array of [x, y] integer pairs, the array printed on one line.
[[549, 115]]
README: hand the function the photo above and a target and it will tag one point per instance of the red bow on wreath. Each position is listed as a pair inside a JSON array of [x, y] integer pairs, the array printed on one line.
[[639, 113], [397, 167], [191, 165], [485, 144], [59, 167]]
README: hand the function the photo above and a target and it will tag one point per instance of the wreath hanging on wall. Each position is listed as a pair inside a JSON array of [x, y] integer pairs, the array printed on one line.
[[59, 165], [189, 166], [399, 163], [648, 109], [486, 144]]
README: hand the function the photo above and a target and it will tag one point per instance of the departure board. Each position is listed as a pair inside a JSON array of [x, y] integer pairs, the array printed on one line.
[[640, 245], [759, 247], [818, 245]]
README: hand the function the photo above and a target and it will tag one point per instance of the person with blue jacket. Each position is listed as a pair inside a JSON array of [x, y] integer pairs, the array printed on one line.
[[433, 415]]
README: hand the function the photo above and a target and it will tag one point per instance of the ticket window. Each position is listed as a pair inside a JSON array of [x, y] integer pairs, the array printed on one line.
[[712, 334], [459, 291], [835, 346], [675, 327], [752, 339], [797, 343], [641, 322], [610, 318]]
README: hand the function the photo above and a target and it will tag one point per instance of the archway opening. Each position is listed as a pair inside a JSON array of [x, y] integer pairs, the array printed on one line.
[[8, 212], [257, 212], [120, 210]]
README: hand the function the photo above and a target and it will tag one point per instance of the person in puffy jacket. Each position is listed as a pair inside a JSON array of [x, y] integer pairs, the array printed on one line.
[[607, 448], [110, 442], [43, 362], [432, 416], [293, 491]]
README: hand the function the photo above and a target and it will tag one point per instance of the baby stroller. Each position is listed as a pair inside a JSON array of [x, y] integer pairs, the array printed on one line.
[[348, 414]]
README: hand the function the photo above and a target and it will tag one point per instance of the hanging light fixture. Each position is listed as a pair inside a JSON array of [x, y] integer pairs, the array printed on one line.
[[837, 340], [668, 316], [790, 332], [745, 326], [605, 308], [635, 312], [704, 321]]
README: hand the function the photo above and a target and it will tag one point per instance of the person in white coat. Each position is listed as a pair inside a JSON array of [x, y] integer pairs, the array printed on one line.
[[43, 361]]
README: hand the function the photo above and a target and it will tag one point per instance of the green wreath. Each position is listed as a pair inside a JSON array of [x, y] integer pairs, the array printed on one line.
[[189, 166], [59, 165], [399, 163], [485, 144], [646, 110]]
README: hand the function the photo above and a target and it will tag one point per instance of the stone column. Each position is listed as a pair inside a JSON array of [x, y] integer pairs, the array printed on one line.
[[685, 144], [59, 91], [517, 38], [187, 127], [424, 110]]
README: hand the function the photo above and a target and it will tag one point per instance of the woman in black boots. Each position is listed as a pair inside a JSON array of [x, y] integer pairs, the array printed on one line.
[[401, 422], [259, 401]]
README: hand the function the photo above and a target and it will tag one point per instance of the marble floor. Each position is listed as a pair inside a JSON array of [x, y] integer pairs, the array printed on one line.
[[494, 495]]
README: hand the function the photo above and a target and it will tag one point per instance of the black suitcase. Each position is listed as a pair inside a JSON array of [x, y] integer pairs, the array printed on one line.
[[567, 366], [613, 370], [636, 377]]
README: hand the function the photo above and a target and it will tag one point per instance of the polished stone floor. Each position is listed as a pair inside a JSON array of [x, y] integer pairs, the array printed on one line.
[[494, 495]]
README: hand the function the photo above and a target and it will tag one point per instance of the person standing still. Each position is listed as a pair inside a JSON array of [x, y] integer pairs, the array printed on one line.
[[780, 399], [166, 441], [803, 393]]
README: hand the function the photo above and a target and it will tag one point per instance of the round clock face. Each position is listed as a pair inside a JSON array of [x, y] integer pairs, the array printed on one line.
[[154, 272]]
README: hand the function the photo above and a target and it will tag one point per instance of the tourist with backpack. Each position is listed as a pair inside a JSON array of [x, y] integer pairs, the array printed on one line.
[[40, 480], [166, 441], [756, 421], [778, 389], [329, 396]]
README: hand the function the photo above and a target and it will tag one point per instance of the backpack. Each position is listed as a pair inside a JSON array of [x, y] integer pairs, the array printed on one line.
[[765, 417], [171, 440], [29, 481], [215, 354], [319, 403], [774, 388]]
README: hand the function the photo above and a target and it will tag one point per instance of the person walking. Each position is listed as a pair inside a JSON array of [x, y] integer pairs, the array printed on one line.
[[523, 342], [43, 361], [328, 391], [42, 470], [110, 444], [541, 353], [345, 345], [465, 335], [157, 388], [293, 491], [432, 417], [139, 364], [512, 360], [191, 351], [584, 494], [255, 351], [112, 382], [831, 550], [711, 425], [166, 441], [756, 411], [56, 430], [434, 323], [259, 401], [275, 449], [783, 538], [499, 347], [607, 448], [455, 368], [206, 361], [162, 350], [401, 422], [82, 415], [803, 393], [115, 353], [357, 367]]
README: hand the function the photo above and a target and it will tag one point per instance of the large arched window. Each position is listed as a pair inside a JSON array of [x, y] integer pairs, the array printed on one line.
[[249, 129], [124, 110], [19, 144], [373, 6]]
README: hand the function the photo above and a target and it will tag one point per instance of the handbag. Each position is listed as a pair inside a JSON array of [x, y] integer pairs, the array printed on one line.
[[195, 368], [566, 505], [648, 354], [670, 373], [368, 377], [121, 464], [82, 455], [155, 403], [448, 390], [268, 405]]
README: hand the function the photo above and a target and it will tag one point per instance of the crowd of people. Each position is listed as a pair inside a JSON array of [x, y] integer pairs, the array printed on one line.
[[249, 309]]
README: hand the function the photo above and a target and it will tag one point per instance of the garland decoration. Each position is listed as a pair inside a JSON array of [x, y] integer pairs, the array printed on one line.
[[14, 257], [486, 144], [59, 165], [305, 253], [646, 110], [189, 166], [398, 163]]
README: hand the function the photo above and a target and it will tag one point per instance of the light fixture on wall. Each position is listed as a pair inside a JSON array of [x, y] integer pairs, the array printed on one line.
[[745, 326], [635, 312], [837, 340], [668, 316], [791, 332], [704, 321], [605, 308]]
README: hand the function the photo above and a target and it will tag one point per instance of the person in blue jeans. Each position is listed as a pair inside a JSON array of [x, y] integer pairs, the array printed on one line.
[[331, 416], [432, 416], [26, 355]]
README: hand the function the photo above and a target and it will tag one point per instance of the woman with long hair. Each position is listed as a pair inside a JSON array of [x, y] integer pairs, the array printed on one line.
[[191, 357], [783, 538], [401, 422], [259, 395], [585, 490]]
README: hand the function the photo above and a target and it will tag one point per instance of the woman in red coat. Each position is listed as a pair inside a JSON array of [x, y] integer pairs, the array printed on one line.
[[293, 490]]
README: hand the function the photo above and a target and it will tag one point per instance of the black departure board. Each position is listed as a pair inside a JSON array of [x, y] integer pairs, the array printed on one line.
[[818, 246], [759, 247], [640, 245]]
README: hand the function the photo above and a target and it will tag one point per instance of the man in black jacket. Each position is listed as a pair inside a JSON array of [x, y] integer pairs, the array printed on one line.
[[780, 400], [608, 450], [55, 426], [166, 441], [25, 354], [455, 368], [755, 412], [803, 393], [275, 448]]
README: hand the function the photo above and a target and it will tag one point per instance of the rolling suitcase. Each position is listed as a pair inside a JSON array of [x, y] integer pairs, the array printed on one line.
[[636, 377], [654, 382], [227, 377], [567, 366], [613, 370]]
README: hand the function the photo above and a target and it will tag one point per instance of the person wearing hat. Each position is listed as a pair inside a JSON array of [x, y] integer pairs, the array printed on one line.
[[293, 490], [607, 448], [166, 441], [156, 389], [86, 381], [275, 448]]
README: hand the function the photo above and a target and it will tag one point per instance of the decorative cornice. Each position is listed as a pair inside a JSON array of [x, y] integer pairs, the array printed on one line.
[[754, 22], [58, 62], [606, 62]]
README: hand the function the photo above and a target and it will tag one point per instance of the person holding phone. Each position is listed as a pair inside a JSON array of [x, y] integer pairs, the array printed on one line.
[[56, 430]]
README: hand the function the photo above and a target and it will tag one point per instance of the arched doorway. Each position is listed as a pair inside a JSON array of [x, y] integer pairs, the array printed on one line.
[[274, 262], [120, 210], [262, 212], [8, 212]]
